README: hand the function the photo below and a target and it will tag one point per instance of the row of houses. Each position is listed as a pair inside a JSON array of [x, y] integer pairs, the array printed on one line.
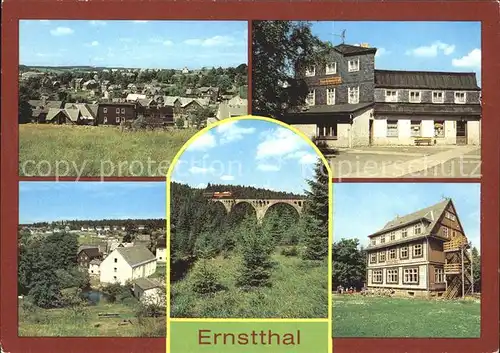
[[351, 103], [107, 228], [160, 109]]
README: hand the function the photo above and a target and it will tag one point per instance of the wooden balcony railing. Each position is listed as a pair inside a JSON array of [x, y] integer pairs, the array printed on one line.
[[452, 269], [455, 244]]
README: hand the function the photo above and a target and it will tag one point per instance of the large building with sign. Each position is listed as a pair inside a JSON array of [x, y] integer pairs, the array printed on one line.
[[350, 103]]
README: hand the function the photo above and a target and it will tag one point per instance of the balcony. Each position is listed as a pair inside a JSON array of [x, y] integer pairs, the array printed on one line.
[[454, 244], [452, 269]]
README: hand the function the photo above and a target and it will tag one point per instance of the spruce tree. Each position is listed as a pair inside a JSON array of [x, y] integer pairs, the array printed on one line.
[[314, 223], [205, 279], [256, 268]]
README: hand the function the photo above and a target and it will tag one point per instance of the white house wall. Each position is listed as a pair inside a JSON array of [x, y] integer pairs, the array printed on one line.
[[474, 132], [123, 269]]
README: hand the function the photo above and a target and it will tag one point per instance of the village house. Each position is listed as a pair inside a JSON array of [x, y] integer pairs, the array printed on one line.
[[115, 113], [90, 85], [94, 267], [210, 93], [236, 106], [349, 103], [40, 109], [424, 253], [149, 291], [161, 253], [86, 255], [127, 263]]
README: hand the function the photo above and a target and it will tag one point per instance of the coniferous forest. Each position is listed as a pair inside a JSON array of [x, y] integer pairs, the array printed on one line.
[[233, 266]]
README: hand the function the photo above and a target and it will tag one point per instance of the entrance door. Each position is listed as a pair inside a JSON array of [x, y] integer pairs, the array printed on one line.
[[461, 132], [370, 132]]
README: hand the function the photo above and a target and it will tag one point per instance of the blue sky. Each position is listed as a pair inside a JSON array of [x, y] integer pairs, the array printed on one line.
[[426, 46], [50, 201], [248, 152], [357, 216], [143, 44]]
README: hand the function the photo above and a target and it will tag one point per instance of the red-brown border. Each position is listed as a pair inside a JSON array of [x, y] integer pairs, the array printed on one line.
[[485, 11]]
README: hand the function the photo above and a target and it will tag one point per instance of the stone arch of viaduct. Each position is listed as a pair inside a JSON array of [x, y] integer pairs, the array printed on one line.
[[261, 206]]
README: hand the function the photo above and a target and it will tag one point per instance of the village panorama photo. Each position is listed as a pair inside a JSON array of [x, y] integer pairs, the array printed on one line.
[[245, 241], [119, 98], [380, 99], [412, 267], [92, 259]]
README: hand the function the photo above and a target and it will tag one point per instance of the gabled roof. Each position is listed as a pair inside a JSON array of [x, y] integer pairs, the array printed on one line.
[[426, 80], [347, 49], [92, 253], [53, 113], [146, 283], [136, 255], [430, 214]]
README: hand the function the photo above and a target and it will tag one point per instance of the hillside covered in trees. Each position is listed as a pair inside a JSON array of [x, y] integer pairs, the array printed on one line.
[[231, 265]]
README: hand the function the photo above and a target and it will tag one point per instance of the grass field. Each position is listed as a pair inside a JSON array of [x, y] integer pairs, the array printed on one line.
[[86, 323], [357, 316], [59, 150], [297, 292]]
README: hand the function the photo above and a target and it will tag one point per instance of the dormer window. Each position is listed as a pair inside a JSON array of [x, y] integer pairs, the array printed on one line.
[[393, 236], [438, 97], [417, 229], [460, 97], [374, 242], [415, 97], [353, 65], [331, 68], [310, 71]]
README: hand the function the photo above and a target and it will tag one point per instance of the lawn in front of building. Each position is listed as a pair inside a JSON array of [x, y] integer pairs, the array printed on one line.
[[360, 316]]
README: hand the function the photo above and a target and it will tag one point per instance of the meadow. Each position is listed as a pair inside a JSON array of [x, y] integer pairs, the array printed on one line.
[[85, 322], [299, 290], [358, 316], [60, 150]]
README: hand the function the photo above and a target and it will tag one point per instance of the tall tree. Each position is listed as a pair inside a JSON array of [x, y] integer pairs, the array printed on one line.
[[349, 263], [476, 263], [280, 50]]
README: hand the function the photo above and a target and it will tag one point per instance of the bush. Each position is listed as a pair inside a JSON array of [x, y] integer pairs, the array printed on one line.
[[179, 123], [205, 279], [117, 292], [290, 251]]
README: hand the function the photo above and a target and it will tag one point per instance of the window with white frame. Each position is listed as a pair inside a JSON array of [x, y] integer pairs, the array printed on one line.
[[437, 97], [353, 95], [392, 128], [117, 110], [460, 97], [377, 276], [310, 71], [417, 250], [353, 65], [330, 96], [392, 275], [393, 235], [328, 129], [311, 97], [392, 254], [438, 275], [373, 242], [331, 68], [450, 216], [104, 110], [117, 119], [404, 252], [123, 110], [105, 120], [415, 96], [410, 275], [381, 256], [382, 239], [391, 96], [445, 232], [439, 128], [373, 258], [417, 229], [404, 233], [416, 128]]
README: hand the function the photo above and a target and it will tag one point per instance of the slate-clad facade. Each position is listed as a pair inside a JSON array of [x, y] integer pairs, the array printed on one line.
[[350, 103]]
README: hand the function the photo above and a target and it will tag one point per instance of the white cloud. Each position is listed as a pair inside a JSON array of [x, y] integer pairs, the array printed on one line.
[[97, 23], [382, 51], [308, 158], [212, 41], [280, 143], [168, 43], [61, 31], [227, 177], [203, 142], [472, 59], [231, 131], [432, 50], [200, 170], [268, 167], [201, 186]]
